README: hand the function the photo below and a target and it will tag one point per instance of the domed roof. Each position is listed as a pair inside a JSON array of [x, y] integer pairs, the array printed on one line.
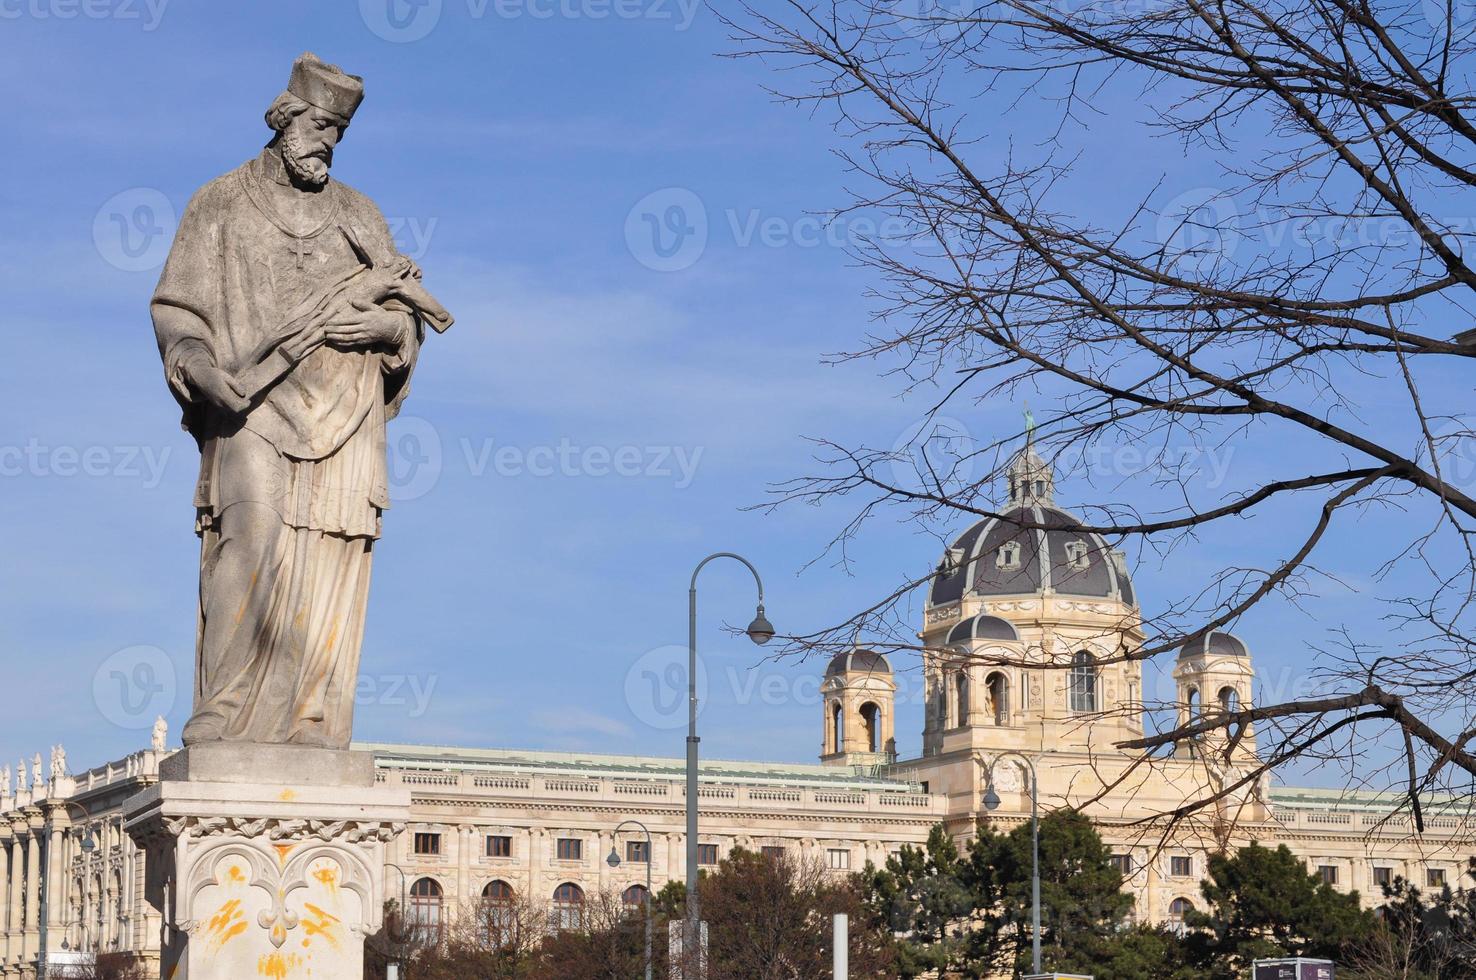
[[1215, 643], [983, 627], [997, 556], [858, 661]]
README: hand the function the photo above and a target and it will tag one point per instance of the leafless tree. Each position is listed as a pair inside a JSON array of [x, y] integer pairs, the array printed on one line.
[[1317, 301]]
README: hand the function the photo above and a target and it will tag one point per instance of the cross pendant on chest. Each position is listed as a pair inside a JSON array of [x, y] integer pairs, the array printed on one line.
[[299, 247]]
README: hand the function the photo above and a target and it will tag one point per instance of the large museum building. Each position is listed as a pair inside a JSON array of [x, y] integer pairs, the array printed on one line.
[[492, 824]]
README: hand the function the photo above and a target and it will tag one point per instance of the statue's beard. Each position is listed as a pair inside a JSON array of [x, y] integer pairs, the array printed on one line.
[[304, 167]]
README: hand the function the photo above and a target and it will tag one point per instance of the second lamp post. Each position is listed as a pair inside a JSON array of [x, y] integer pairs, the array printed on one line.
[[759, 631]]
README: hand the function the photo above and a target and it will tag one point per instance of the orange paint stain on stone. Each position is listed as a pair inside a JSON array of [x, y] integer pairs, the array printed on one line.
[[241, 613], [320, 923], [328, 878], [277, 966], [287, 796], [234, 874], [282, 851], [226, 924]]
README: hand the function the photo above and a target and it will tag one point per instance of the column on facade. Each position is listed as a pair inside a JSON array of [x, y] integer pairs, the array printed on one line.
[[56, 905], [12, 882], [676, 858], [33, 888], [536, 858], [465, 886], [603, 839]]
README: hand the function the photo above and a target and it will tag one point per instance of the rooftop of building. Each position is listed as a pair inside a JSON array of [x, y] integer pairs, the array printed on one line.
[[446, 758]]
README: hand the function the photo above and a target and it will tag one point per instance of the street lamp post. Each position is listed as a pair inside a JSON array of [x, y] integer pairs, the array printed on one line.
[[760, 631], [86, 844], [393, 969], [991, 802], [614, 861]]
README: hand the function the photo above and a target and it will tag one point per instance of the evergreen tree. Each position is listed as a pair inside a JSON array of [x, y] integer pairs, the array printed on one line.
[[1263, 903], [922, 898]]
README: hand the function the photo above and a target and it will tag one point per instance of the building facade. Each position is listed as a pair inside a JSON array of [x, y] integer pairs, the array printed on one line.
[[1029, 630]]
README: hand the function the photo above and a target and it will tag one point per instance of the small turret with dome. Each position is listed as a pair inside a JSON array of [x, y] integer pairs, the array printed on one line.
[[859, 696]]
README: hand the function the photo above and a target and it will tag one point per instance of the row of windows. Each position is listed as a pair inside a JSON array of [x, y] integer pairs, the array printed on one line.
[[1382, 875], [1078, 555], [1182, 866], [572, 849], [428, 899]]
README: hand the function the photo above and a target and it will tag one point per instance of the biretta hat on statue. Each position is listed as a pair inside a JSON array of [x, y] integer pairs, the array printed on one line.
[[326, 86]]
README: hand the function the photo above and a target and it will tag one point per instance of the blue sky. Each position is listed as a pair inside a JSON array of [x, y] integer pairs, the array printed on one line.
[[595, 423]]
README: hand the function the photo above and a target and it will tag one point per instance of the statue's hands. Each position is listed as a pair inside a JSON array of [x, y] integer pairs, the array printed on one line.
[[215, 386], [363, 324]]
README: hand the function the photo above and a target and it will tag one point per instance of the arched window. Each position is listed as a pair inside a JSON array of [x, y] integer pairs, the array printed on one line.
[[1083, 682], [634, 895], [961, 683], [871, 721], [838, 727], [497, 911], [1230, 699], [568, 906], [1192, 703], [426, 901], [1179, 909], [997, 693]]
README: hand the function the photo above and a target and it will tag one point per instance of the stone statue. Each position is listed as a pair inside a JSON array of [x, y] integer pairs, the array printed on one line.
[[5, 781], [36, 780], [58, 763], [20, 776], [289, 327], [161, 734]]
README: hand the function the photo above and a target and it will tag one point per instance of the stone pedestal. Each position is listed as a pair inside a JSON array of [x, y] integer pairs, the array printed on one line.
[[266, 861]]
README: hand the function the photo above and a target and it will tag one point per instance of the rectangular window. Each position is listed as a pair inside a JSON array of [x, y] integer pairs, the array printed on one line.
[[838, 859], [569, 849], [707, 854], [1328, 873], [1383, 876], [637, 852], [427, 843], [1181, 866], [499, 846], [1435, 877], [1124, 864], [773, 852]]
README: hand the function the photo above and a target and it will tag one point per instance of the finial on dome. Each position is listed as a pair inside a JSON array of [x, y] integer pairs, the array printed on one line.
[[1032, 479]]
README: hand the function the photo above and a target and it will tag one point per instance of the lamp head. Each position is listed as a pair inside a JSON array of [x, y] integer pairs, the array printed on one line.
[[991, 798], [614, 859], [88, 845], [760, 631]]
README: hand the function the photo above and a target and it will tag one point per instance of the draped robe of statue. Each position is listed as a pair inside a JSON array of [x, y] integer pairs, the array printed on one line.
[[290, 495]]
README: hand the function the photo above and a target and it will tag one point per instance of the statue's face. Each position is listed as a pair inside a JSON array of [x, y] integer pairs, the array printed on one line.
[[307, 145]]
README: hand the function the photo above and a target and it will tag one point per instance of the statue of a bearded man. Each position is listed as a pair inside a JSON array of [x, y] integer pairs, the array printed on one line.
[[289, 327]]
